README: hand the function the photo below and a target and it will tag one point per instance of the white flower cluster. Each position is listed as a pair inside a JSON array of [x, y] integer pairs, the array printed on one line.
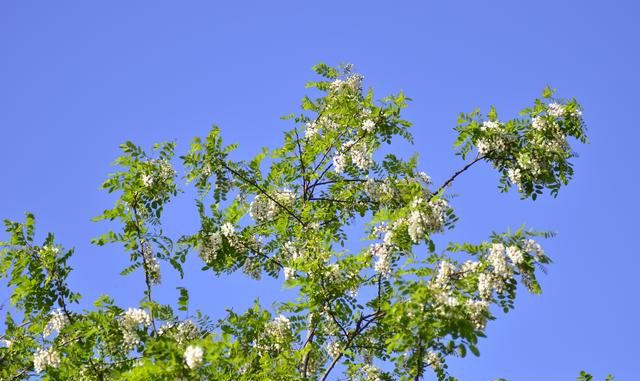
[[494, 141], [382, 253], [312, 129], [193, 356], [339, 162], [324, 122], [501, 271], [498, 260], [334, 349], [209, 247], [263, 208], [357, 151], [445, 273], [353, 82], [515, 255], [534, 248], [555, 109], [368, 125], [289, 273], [378, 190], [490, 124], [478, 310], [469, 267], [147, 180], [165, 170], [130, 321], [151, 265], [290, 251], [252, 268], [57, 321], [558, 110], [538, 122], [371, 373], [279, 329], [44, 358], [433, 360], [421, 221], [162, 171], [182, 332]]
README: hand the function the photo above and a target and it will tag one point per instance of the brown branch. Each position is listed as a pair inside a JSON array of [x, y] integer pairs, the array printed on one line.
[[359, 328], [302, 166], [145, 265], [309, 340], [262, 190], [453, 177], [315, 183]]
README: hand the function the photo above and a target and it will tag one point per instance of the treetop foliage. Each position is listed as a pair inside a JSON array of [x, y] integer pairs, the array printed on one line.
[[390, 305]]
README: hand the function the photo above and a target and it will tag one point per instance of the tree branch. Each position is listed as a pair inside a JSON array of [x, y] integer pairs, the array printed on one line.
[[453, 177], [262, 190]]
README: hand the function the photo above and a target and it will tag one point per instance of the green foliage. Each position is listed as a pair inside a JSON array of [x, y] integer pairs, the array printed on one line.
[[394, 308]]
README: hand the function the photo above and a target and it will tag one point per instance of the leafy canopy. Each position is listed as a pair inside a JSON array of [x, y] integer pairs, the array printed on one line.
[[390, 305]]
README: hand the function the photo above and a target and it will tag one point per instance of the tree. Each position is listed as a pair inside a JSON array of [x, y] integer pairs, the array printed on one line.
[[395, 308]]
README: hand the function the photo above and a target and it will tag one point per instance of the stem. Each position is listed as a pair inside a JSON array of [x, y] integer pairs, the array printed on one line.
[[302, 166], [350, 338], [147, 280], [262, 190], [453, 177]]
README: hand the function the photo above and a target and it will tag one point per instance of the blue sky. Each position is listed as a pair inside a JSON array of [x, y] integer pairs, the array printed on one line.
[[78, 78]]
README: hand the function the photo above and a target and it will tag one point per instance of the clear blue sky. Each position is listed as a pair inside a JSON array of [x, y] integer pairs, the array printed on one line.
[[77, 78]]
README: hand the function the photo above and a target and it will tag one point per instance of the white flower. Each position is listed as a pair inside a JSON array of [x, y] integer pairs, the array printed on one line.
[[133, 317], [433, 360], [152, 267], [209, 247], [532, 246], [265, 208], [489, 124], [333, 348], [227, 229], [182, 332], [416, 226], [483, 146], [497, 259], [355, 82], [383, 255], [333, 271], [361, 158], [57, 321], [368, 125], [337, 85], [193, 356], [44, 358], [289, 273], [130, 321], [312, 129], [8, 343], [478, 310], [514, 175], [280, 327], [555, 109], [147, 180], [537, 122], [445, 272], [422, 176], [485, 286], [515, 254], [371, 372], [470, 267], [339, 162]]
